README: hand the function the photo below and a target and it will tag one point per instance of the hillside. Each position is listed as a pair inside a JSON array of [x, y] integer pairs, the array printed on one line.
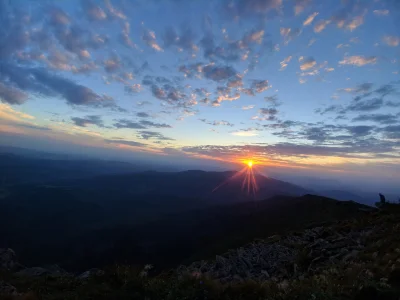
[[357, 258]]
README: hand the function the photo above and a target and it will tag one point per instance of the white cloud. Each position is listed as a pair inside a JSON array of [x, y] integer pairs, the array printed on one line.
[[392, 41], [307, 63], [358, 60], [285, 62], [248, 133], [381, 12], [310, 19], [321, 25]]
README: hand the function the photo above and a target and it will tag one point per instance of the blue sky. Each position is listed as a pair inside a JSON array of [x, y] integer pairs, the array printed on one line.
[[287, 83]]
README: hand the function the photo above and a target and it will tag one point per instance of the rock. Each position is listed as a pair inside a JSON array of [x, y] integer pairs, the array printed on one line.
[[39, 271], [7, 289], [367, 293], [91, 273], [283, 285], [8, 259]]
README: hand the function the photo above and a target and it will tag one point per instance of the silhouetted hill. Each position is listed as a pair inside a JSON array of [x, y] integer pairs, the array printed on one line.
[[198, 184]]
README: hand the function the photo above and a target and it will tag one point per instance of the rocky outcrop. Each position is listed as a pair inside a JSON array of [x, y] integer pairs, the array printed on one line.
[[90, 273], [8, 260], [280, 258], [7, 289], [39, 271]]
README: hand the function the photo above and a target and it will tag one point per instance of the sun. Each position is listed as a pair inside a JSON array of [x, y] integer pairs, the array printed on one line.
[[250, 163]]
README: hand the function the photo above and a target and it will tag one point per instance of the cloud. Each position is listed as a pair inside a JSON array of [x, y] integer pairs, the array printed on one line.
[[149, 37], [307, 63], [384, 119], [358, 61], [362, 88], [148, 135], [381, 12], [248, 107], [310, 19], [260, 85], [321, 25], [289, 34], [92, 11], [355, 23], [143, 115], [285, 63], [8, 113], [219, 73], [142, 124], [249, 8], [154, 125], [42, 82], [125, 142], [245, 133], [300, 6], [184, 41], [392, 131], [268, 114], [392, 41], [217, 123], [88, 120], [11, 95], [367, 105], [36, 127]]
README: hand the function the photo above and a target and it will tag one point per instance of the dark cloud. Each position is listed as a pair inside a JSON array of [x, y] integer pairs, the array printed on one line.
[[36, 127], [93, 11], [42, 82], [11, 95], [268, 113], [360, 130], [378, 118], [142, 124], [350, 150], [154, 125], [273, 100], [88, 120], [148, 135], [183, 41], [123, 123], [219, 73], [366, 105], [392, 132], [260, 85], [362, 88], [217, 123], [143, 115], [124, 142]]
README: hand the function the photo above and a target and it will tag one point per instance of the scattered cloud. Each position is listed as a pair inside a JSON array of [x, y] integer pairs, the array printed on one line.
[[142, 124], [152, 135], [88, 120], [321, 25], [307, 63], [310, 19], [381, 12], [358, 60], [392, 41], [125, 142]]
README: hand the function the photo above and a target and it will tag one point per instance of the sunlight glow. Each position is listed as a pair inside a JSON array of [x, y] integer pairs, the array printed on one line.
[[250, 163]]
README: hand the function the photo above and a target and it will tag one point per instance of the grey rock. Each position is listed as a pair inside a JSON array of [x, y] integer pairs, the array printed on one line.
[[8, 259], [90, 273], [39, 271], [7, 289]]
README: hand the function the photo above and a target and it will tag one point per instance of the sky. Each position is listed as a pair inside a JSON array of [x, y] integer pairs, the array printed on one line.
[[290, 84]]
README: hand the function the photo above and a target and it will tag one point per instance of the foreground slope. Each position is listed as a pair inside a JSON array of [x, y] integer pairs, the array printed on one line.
[[357, 258]]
